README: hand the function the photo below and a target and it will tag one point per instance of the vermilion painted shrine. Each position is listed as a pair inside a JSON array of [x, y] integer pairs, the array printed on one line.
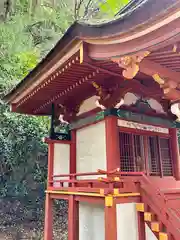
[[113, 94]]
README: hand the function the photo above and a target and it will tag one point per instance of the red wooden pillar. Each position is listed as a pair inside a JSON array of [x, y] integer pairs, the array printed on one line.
[[73, 152], [73, 209], [112, 143], [48, 225], [175, 153], [110, 219], [141, 226], [73, 219], [50, 164]]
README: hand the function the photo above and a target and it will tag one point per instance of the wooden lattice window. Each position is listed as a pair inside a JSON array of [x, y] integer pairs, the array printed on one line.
[[145, 153], [127, 161], [153, 156], [166, 157], [131, 152]]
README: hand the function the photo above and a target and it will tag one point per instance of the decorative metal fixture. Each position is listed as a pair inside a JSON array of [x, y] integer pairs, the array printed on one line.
[[61, 119], [176, 110], [119, 104]]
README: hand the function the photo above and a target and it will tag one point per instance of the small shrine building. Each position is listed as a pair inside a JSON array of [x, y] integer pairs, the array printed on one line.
[[113, 94]]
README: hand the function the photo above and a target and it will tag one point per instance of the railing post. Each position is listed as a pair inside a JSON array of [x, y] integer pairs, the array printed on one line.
[[72, 164], [175, 153], [110, 219], [141, 226], [50, 164], [48, 226], [73, 219]]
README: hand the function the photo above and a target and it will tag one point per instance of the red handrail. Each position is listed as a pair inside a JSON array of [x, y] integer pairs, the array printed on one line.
[[157, 201], [100, 172]]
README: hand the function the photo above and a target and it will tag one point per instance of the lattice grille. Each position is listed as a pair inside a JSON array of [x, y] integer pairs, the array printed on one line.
[[131, 152], [139, 152], [126, 152], [132, 155], [153, 156], [166, 157]]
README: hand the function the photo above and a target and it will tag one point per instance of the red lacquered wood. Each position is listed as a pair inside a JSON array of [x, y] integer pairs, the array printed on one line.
[[141, 226], [73, 152], [112, 143], [50, 163], [48, 140], [48, 226], [110, 222], [175, 153], [73, 219]]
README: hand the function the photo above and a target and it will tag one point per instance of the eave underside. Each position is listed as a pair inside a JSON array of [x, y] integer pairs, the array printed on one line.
[[71, 82]]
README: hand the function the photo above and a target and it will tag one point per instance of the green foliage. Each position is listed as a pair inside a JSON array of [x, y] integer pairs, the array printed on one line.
[[22, 153], [112, 7], [27, 33]]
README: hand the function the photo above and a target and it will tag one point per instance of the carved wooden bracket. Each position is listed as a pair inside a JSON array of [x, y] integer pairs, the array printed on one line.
[[107, 98], [66, 114], [131, 64], [165, 84], [115, 97]]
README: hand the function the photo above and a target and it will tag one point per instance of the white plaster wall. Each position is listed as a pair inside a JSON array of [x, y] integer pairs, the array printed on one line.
[[88, 105], [127, 224], [61, 160], [91, 149], [149, 234], [91, 222]]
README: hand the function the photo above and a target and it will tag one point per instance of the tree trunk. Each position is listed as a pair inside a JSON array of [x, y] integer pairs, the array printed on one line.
[[7, 7]]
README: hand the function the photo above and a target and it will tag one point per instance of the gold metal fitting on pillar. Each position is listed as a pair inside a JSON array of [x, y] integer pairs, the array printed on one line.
[[109, 201]]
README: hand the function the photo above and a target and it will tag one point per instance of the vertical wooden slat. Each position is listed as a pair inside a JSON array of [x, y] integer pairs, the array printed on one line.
[[146, 158], [175, 153], [133, 152], [160, 157], [73, 219]]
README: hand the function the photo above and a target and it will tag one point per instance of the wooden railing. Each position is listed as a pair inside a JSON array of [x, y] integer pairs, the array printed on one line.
[[94, 181], [156, 201], [153, 198]]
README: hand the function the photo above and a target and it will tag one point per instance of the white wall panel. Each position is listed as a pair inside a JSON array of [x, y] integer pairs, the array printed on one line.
[[61, 160], [91, 222], [149, 234], [127, 224], [91, 148]]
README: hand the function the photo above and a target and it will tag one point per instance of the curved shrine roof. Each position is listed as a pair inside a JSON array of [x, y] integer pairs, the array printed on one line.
[[86, 53]]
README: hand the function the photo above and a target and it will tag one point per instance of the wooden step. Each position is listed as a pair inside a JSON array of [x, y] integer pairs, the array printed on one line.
[[155, 226], [163, 236], [140, 207], [147, 216]]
